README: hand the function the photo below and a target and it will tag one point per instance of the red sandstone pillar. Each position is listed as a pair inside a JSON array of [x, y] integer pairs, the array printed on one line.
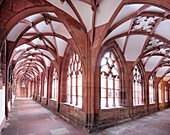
[[157, 91], [35, 88], [47, 74], [42, 84], [163, 90], [130, 92], [49, 84], [30, 88], [147, 75]]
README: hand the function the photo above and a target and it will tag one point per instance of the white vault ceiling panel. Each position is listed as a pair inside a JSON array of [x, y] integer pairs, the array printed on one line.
[[105, 11], [119, 30], [24, 46], [144, 60], [61, 44], [37, 41], [19, 68], [39, 68], [59, 28], [34, 18], [16, 31], [121, 42], [27, 37], [65, 7], [152, 63], [154, 9], [43, 28], [33, 51], [134, 47], [21, 60], [39, 63], [163, 29], [46, 43], [17, 55], [31, 57], [52, 14], [48, 54], [47, 61], [35, 73], [161, 71], [126, 11], [51, 39], [31, 31], [85, 12], [167, 77]]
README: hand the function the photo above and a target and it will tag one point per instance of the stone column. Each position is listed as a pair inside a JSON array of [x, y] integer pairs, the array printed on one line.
[[157, 92], [130, 83], [42, 84], [163, 91], [147, 76], [49, 84], [37, 85]]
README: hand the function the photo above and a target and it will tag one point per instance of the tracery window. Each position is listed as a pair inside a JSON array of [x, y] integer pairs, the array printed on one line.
[[55, 85], [160, 93], [45, 87], [74, 81], [166, 93], [39, 88], [151, 90], [138, 93], [110, 81]]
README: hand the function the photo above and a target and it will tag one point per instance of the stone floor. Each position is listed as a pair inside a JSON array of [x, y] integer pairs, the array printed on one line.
[[29, 118], [154, 124]]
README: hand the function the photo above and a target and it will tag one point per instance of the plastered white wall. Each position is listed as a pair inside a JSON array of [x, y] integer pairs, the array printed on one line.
[[2, 104]]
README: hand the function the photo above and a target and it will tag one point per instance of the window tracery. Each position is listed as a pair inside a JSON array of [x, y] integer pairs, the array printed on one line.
[[138, 93], [151, 90], [74, 81], [45, 87], [110, 81], [55, 85], [160, 93], [39, 88]]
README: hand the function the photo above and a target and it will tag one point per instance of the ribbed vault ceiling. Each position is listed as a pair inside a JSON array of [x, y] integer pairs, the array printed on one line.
[[140, 30]]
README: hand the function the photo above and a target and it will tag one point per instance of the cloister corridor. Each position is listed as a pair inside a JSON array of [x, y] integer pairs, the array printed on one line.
[[84, 67]]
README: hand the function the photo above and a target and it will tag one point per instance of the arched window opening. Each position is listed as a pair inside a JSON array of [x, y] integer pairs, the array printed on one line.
[[45, 87], [160, 93], [110, 81], [39, 88], [151, 90], [138, 93], [55, 85], [166, 93], [74, 81]]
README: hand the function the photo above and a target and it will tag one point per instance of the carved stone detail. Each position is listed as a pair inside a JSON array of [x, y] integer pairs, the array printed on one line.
[[144, 23]]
